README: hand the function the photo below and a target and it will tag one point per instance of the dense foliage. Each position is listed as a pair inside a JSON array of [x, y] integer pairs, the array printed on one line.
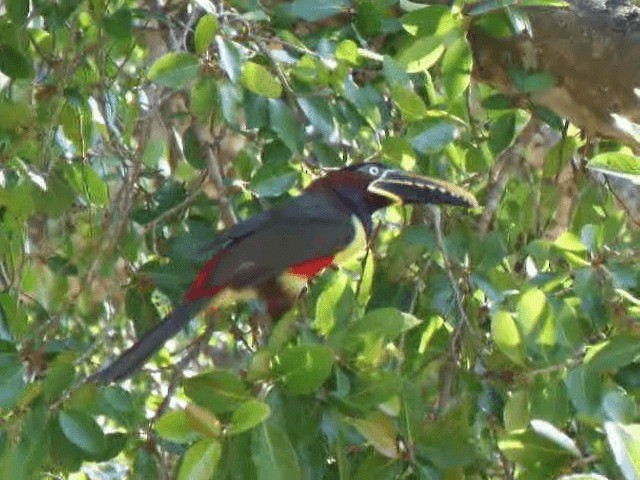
[[497, 343]]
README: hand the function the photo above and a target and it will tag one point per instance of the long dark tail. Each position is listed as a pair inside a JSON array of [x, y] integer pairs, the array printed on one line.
[[136, 356]]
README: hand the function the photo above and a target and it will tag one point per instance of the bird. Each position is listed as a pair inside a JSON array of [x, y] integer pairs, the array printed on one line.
[[272, 255]]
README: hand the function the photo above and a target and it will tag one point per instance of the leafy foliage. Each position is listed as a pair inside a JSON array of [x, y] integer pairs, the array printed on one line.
[[499, 343]]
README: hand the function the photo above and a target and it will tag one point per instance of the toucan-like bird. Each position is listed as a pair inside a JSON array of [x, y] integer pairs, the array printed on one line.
[[272, 255]]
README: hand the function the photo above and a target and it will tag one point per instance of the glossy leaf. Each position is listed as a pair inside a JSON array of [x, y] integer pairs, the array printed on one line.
[[379, 430], [624, 441], [260, 80], [205, 31], [273, 454], [219, 391], [248, 415], [506, 334], [82, 430], [200, 461], [175, 70], [613, 353], [12, 381], [302, 369], [315, 10]]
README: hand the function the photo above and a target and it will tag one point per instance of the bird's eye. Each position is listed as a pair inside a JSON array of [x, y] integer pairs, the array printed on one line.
[[374, 171]]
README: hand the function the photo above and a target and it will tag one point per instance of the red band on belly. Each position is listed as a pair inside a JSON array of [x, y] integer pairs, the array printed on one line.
[[310, 268]]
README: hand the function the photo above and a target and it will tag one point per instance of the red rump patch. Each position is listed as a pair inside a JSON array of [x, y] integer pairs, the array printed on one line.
[[200, 287], [310, 268]]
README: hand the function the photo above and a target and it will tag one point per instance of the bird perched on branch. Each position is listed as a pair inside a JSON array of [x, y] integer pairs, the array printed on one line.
[[272, 255]]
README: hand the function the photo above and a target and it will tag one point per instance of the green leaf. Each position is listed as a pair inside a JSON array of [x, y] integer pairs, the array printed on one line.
[[456, 68], [399, 152], [144, 465], [618, 406], [612, 353], [507, 336], [347, 50], [531, 310], [248, 415], [302, 369], [174, 426], [618, 164], [374, 388], [284, 123], [319, 114], [18, 10], [550, 432], [12, 382], [335, 305], [410, 104], [549, 399], [431, 20], [154, 150], [204, 98], [532, 82], [451, 427], [13, 115], [191, 149], [624, 441], [315, 10], [139, 306], [585, 391], [387, 323], [528, 448], [395, 74], [60, 376], [82, 430], [273, 180], [87, 183], [200, 462], [272, 453], [570, 243], [206, 30], [175, 69], [203, 421], [120, 24], [431, 136], [421, 54], [369, 335], [14, 63], [583, 476], [379, 431], [516, 411], [219, 391], [24, 460], [259, 80], [231, 58]]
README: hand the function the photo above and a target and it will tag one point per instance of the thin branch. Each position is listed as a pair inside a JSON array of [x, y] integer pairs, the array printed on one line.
[[501, 171], [193, 349], [207, 147], [450, 368], [175, 209]]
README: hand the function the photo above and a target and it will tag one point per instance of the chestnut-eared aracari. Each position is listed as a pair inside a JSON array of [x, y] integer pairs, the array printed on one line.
[[273, 254]]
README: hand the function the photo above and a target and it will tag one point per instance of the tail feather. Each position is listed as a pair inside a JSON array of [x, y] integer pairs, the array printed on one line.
[[136, 356]]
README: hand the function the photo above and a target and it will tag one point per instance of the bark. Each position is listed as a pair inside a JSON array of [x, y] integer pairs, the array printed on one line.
[[592, 48]]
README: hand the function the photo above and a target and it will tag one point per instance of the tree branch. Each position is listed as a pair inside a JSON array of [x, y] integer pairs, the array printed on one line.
[[501, 171]]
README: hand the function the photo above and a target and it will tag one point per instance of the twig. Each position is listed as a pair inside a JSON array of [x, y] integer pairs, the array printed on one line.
[[193, 349], [506, 163], [449, 369], [207, 146], [175, 209]]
